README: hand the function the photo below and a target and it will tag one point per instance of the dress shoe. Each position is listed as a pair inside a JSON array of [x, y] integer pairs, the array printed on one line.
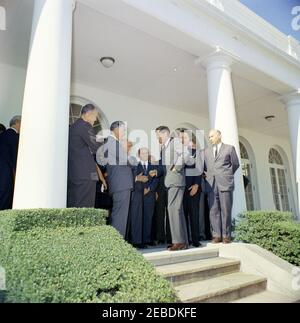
[[197, 245], [216, 240], [178, 246], [227, 240]]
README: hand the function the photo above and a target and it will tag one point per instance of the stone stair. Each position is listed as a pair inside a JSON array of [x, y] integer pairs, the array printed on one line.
[[201, 276]]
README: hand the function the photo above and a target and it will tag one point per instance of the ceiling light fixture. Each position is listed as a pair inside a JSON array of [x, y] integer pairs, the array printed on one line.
[[107, 62], [270, 118]]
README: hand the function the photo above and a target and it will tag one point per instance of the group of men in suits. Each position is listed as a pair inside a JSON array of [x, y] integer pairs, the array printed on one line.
[[9, 142], [167, 190]]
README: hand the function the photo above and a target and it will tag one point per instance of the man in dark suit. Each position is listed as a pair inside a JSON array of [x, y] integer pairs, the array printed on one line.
[[119, 175], [9, 142], [191, 198], [2, 128], [221, 163], [82, 170], [145, 167]]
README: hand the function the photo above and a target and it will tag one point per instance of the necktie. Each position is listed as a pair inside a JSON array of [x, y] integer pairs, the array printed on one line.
[[145, 168], [216, 151]]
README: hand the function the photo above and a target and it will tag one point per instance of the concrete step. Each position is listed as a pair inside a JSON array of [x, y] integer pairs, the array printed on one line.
[[191, 271], [166, 257], [265, 297], [221, 289]]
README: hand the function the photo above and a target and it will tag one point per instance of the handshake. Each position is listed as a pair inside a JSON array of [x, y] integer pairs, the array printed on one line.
[[144, 179]]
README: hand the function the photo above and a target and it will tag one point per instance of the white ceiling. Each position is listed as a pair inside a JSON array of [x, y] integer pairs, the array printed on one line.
[[144, 67]]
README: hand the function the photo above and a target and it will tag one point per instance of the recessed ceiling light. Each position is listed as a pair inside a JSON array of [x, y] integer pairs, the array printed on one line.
[[270, 118], [175, 69], [107, 62]]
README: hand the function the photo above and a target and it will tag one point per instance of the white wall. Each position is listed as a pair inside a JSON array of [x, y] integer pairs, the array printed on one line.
[[12, 82]]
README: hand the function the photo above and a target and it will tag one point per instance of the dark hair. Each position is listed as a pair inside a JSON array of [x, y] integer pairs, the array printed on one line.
[[117, 124], [2, 128], [15, 120], [163, 129], [87, 108]]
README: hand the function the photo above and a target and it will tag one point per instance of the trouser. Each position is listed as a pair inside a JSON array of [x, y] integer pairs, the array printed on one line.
[[148, 212], [81, 194], [220, 206], [176, 215], [192, 215], [120, 210]]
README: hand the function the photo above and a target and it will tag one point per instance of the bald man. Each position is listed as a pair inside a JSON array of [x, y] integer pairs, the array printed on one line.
[[220, 164]]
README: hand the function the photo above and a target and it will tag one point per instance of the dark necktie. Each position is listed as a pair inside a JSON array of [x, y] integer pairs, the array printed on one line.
[[145, 168], [216, 152]]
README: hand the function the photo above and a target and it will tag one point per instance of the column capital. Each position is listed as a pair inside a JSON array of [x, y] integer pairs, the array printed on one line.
[[219, 58], [291, 99]]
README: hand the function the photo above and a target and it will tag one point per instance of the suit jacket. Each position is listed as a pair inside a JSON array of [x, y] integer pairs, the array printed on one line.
[[220, 171], [9, 141], [153, 181], [118, 168], [174, 158], [82, 148]]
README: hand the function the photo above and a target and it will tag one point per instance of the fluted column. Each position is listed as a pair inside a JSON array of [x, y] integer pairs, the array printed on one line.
[[41, 178], [222, 114]]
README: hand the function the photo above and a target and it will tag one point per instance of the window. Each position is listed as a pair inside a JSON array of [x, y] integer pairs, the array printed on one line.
[[248, 178], [279, 182], [75, 113]]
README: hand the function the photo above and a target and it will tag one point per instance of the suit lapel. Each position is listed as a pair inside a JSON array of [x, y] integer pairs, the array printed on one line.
[[220, 151]]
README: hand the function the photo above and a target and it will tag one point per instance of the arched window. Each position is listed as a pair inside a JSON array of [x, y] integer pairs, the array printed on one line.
[[278, 174], [248, 177]]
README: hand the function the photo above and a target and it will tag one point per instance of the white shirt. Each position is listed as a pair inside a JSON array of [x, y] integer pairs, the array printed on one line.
[[145, 163], [218, 146]]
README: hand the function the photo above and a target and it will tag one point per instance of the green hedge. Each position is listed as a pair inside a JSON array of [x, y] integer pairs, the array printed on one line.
[[80, 263], [274, 231]]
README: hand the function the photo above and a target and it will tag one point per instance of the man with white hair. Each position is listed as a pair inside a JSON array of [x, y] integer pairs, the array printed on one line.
[[221, 163], [9, 142]]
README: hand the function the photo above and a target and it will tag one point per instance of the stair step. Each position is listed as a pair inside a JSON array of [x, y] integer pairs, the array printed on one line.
[[221, 289], [166, 257], [191, 271], [265, 297]]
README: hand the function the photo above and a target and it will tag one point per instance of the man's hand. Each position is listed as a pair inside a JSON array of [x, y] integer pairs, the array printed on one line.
[[142, 178], [156, 196], [153, 173], [104, 185], [194, 189], [146, 191]]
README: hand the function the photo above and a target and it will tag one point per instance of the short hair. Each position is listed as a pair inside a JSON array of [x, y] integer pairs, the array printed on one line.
[[117, 124], [2, 128], [87, 108], [15, 120], [163, 129]]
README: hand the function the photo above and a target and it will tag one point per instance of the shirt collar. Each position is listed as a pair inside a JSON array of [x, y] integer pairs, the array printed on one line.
[[13, 129]]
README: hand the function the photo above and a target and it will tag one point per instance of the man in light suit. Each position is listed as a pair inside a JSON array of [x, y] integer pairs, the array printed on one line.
[[119, 175], [221, 163], [174, 157]]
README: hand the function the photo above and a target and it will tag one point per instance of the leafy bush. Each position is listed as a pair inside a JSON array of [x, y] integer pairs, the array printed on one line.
[[274, 231], [81, 263]]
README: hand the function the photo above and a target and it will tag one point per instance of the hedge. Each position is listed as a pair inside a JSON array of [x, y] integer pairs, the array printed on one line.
[[85, 263], [274, 231]]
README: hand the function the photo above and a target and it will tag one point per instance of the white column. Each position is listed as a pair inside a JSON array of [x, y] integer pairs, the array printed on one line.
[[41, 178], [292, 103], [222, 114]]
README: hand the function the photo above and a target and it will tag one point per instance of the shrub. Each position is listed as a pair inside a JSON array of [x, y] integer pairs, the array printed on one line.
[[86, 263], [274, 231]]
